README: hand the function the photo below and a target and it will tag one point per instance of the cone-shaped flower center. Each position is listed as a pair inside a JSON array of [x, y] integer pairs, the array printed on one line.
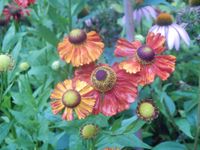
[[77, 36], [146, 109], [164, 19], [145, 54], [101, 75], [5, 62], [103, 78], [71, 98], [139, 1], [89, 131]]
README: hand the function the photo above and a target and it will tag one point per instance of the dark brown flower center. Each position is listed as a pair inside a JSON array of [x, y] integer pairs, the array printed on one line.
[[103, 78], [77, 36], [71, 98], [145, 54], [164, 19]]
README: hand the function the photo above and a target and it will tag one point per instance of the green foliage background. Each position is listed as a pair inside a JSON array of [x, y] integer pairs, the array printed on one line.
[[26, 121]]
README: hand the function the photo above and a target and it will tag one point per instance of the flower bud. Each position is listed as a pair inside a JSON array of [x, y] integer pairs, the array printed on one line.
[[139, 37], [24, 66], [6, 62], [55, 65]]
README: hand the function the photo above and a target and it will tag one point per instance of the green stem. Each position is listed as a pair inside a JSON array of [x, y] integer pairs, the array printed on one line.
[[198, 121], [1, 90], [70, 14]]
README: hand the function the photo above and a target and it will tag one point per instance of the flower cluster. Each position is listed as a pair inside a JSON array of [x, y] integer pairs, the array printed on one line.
[[101, 88], [16, 11]]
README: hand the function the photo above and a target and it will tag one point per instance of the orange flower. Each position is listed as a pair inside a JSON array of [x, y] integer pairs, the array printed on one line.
[[73, 95], [80, 48], [115, 89], [146, 60]]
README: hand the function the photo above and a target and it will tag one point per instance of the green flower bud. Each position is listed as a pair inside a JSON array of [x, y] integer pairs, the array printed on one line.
[[55, 65], [6, 62], [139, 37], [24, 66]]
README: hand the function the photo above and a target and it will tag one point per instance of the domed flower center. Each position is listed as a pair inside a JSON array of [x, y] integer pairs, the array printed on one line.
[[77, 36], [103, 78], [89, 131], [101, 75], [145, 54], [71, 98], [164, 19], [5, 62], [147, 110], [139, 2]]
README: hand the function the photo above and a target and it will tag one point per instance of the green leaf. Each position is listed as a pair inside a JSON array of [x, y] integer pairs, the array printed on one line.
[[169, 146], [9, 37], [121, 140], [4, 130], [46, 34], [1, 6], [184, 126]]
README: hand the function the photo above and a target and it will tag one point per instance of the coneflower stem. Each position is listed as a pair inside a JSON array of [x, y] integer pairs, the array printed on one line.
[[129, 25], [70, 14], [198, 121]]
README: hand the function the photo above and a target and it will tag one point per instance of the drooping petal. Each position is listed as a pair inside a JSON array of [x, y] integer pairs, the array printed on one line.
[[146, 75], [183, 34], [171, 37], [125, 48], [164, 65], [83, 53]]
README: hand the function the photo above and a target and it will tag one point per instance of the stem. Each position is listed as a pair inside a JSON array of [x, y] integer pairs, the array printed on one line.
[[129, 25], [70, 14], [1, 90], [198, 121]]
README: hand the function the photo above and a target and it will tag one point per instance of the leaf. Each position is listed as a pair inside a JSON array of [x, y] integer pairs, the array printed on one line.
[[170, 103], [1, 6], [121, 140], [4, 130], [46, 34], [8, 38], [184, 126], [169, 146]]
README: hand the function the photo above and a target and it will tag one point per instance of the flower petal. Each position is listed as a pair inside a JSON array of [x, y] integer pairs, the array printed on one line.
[[131, 65]]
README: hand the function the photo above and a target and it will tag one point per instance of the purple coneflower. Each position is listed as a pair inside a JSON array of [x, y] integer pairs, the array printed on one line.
[[147, 12], [172, 31]]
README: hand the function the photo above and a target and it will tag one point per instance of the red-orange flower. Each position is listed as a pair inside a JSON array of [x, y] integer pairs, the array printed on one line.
[[80, 48], [146, 60], [24, 3], [115, 89], [72, 96]]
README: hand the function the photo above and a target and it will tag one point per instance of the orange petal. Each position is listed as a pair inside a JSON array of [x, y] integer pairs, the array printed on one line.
[[164, 65], [156, 42], [125, 48], [131, 65], [82, 87], [68, 84], [56, 106], [146, 75]]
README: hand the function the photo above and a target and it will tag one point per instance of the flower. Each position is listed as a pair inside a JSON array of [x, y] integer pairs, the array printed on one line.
[[24, 66], [172, 31], [24, 3], [6, 62], [89, 131], [115, 89], [146, 60], [80, 48], [111, 148], [147, 110], [147, 12], [17, 13], [72, 95]]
